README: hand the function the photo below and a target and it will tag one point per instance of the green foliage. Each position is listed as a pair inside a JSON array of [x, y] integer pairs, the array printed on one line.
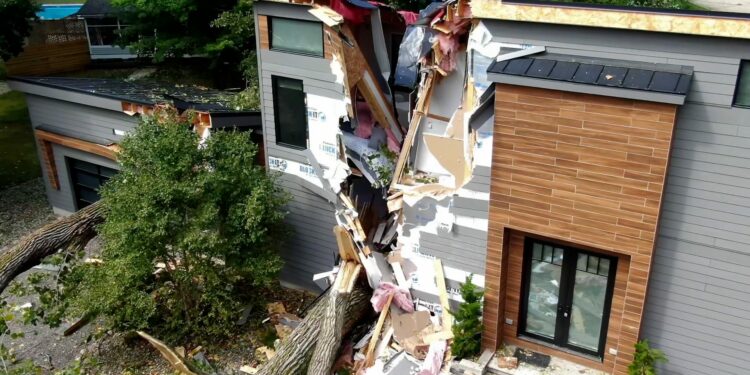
[[663, 4], [17, 16], [412, 5], [645, 359], [206, 215], [383, 167], [467, 330]]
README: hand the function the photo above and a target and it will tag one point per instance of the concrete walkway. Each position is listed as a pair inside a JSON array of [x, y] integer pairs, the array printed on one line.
[[734, 6], [4, 87]]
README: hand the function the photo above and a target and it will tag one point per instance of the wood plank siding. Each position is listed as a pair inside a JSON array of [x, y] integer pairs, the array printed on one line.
[[587, 170]]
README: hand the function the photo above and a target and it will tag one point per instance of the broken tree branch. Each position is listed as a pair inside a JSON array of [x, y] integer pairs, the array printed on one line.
[[75, 230], [294, 354]]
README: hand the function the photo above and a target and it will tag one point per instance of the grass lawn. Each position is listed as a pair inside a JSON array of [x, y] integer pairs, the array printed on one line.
[[18, 160]]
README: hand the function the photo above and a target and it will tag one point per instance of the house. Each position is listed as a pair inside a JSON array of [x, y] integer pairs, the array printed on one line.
[[79, 121], [587, 165], [102, 28]]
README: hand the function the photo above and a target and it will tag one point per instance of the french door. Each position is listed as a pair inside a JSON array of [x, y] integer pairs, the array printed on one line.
[[567, 293]]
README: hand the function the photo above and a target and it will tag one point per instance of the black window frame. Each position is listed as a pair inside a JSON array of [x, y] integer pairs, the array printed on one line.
[[276, 117], [737, 85], [292, 51], [567, 282], [75, 186]]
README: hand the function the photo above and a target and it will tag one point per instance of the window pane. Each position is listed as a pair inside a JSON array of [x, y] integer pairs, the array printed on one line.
[[291, 112], [537, 251], [593, 264], [558, 258], [544, 289], [587, 312], [582, 262], [604, 267], [297, 36], [743, 85], [102, 35], [548, 253]]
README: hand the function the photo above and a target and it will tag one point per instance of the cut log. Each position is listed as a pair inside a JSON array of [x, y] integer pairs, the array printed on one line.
[[75, 230], [294, 354]]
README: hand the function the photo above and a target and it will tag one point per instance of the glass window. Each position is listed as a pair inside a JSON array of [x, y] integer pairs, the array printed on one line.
[[290, 112], [742, 95], [102, 31], [288, 35]]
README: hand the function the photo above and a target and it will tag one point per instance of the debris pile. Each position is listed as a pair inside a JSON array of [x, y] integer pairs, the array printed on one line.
[[390, 144]]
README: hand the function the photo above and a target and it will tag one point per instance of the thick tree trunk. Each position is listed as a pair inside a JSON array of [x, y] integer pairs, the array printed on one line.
[[75, 230], [294, 354]]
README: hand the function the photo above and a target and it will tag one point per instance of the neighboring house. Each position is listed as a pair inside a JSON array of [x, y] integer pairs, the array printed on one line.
[[79, 121], [102, 28], [608, 198]]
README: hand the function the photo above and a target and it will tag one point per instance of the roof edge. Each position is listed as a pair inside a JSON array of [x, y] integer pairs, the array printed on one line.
[[616, 92], [729, 26]]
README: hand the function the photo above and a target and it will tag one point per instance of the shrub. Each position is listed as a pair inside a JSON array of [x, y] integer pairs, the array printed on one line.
[[645, 359], [467, 330], [205, 215]]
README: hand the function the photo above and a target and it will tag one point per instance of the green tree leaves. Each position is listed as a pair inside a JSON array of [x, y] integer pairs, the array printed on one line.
[[16, 25], [191, 230], [467, 330]]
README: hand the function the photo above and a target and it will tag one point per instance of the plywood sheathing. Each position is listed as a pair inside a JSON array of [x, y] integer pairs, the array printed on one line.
[[615, 19], [584, 170]]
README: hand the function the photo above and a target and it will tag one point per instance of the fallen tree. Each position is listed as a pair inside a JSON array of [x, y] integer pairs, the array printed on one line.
[[74, 231], [315, 337]]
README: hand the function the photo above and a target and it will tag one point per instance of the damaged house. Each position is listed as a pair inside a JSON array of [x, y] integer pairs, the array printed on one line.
[[79, 121], [588, 166]]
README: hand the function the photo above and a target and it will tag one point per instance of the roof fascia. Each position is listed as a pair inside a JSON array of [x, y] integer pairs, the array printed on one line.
[[637, 19], [62, 94], [615, 92]]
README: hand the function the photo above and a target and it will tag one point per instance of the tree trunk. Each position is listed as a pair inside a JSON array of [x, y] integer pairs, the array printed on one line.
[[75, 230], [295, 352]]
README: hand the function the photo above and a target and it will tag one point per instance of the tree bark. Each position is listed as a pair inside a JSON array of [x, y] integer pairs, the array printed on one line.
[[75, 230], [295, 353]]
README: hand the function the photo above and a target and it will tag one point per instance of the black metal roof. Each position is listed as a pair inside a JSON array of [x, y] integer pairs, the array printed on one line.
[[662, 78], [96, 8], [143, 92]]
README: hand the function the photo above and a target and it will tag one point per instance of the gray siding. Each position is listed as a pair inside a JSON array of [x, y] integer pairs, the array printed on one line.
[[77, 118], [74, 120], [311, 246], [697, 308]]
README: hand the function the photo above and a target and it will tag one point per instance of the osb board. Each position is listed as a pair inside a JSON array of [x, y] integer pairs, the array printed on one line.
[[616, 19]]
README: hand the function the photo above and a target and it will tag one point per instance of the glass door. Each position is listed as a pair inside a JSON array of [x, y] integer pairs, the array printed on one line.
[[567, 294]]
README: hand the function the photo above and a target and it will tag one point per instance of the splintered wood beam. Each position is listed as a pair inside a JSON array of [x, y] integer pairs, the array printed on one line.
[[370, 357], [419, 111], [345, 243], [447, 319]]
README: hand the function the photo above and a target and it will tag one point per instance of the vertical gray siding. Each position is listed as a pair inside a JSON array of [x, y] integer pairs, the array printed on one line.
[[74, 120], [697, 308], [311, 246]]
